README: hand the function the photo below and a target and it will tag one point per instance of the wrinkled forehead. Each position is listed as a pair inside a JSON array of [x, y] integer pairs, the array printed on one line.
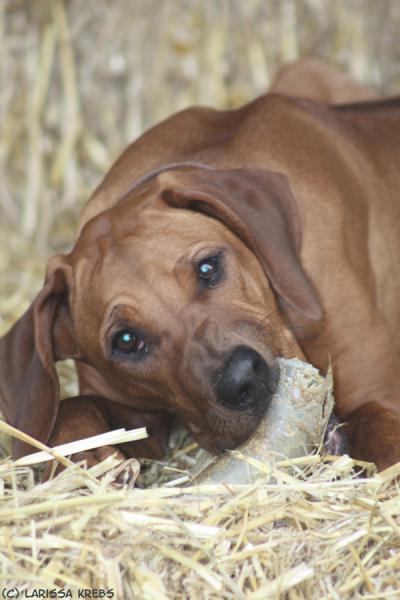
[[116, 235], [125, 251]]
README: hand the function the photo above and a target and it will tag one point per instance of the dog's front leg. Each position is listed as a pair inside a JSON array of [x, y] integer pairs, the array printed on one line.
[[78, 418], [88, 415], [374, 435]]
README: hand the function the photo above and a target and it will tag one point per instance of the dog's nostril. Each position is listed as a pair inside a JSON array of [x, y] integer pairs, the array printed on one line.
[[258, 365], [247, 397], [244, 392]]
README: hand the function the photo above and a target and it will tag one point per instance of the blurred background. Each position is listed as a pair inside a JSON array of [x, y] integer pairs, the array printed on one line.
[[80, 79]]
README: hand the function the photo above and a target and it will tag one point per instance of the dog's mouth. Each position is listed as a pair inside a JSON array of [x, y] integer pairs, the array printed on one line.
[[243, 392], [217, 442]]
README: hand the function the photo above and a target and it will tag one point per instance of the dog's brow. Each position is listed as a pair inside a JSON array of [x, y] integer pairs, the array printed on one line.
[[116, 315]]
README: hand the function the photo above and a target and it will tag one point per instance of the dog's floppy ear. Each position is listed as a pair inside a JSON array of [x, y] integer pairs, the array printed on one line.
[[259, 206], [29, 388]]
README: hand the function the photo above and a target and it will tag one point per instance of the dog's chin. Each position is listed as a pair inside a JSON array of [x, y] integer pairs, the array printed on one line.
[[217, 444], [223, 429]]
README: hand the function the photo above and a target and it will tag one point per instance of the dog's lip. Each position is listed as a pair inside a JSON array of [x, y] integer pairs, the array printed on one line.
[[216, 447], [205, 441], [208, 440], [205, 438]]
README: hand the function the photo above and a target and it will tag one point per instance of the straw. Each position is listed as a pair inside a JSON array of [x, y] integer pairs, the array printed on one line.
[[117, 436]]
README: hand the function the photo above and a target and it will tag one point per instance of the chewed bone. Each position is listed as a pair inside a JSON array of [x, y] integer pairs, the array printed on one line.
[[293, 426]]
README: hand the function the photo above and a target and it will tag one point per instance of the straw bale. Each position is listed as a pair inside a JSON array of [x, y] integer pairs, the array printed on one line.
[[78, 81]]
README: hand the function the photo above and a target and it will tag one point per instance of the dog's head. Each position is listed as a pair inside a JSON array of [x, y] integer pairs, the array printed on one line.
[[174, 297]]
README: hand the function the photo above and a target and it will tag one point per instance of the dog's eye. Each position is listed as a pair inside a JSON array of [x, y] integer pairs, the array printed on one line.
[[126, 341], [208, 268]]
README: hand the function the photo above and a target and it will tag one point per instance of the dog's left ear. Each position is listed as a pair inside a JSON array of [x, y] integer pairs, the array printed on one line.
[[29, 388], [259, 206]]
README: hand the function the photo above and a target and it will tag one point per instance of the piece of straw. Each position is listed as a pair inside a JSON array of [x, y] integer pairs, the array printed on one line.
[[118, 436]]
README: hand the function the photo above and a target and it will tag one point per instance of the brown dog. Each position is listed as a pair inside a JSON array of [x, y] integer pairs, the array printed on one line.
[[217, 242]]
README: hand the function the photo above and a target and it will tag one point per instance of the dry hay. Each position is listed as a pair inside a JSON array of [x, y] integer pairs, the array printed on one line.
[[78, 81], [308, 529]]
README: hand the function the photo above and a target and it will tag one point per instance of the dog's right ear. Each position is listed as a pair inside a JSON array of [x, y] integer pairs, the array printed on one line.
[[29, 387]]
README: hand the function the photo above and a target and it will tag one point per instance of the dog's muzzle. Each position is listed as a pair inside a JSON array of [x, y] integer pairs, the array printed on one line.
[[245, 381]]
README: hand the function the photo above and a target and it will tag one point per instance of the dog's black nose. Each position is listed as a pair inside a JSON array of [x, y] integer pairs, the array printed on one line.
[[245, 380]]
